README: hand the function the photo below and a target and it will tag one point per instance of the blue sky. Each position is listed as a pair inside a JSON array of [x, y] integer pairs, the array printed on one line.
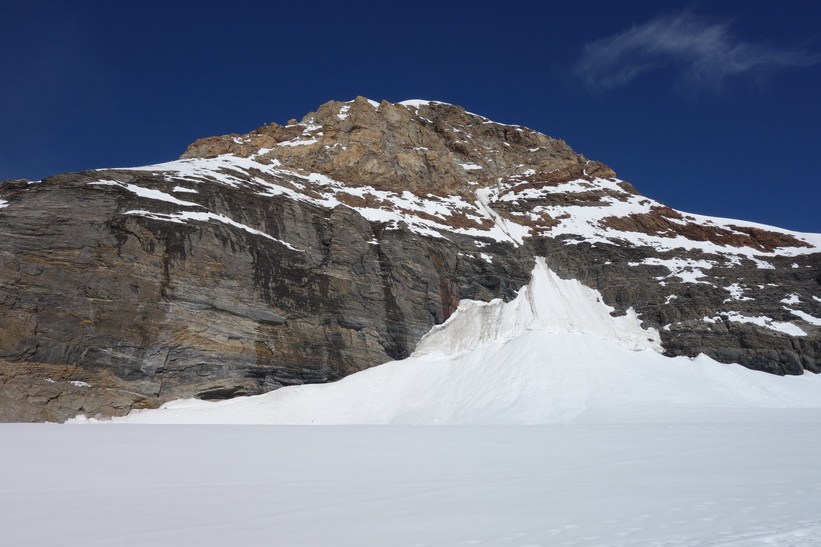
[[710, 107]]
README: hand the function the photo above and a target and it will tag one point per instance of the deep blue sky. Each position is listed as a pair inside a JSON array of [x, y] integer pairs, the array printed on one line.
[[711, 107]]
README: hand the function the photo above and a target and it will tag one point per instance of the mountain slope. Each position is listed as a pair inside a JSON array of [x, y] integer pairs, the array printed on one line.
[[552, 354], [303, 253]]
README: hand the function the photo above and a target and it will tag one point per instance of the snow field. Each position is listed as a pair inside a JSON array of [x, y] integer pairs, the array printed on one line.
[[753, 482], [633, 449]]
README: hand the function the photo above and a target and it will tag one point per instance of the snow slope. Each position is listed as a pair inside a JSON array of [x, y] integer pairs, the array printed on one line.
[[553, 354]]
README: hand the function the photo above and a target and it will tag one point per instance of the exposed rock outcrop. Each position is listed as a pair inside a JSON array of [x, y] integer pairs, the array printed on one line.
[[306, 252]]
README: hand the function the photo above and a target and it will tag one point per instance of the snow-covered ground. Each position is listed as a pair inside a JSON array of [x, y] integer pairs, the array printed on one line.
[[624, 447], [755, 481]]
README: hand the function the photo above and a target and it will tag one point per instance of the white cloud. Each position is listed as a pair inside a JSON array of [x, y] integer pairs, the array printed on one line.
[[702, 53]]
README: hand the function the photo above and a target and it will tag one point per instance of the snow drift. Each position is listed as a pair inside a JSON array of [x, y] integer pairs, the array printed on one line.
[[553, 354]]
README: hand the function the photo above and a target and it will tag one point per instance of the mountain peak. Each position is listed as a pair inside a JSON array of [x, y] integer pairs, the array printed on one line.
[[412, 145], [304, 252]]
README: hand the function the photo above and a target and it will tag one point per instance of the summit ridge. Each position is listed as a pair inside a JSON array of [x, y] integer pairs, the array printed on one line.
[[415, 145]]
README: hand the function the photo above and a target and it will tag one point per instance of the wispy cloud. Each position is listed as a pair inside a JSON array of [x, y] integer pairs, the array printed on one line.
[[702, 54]]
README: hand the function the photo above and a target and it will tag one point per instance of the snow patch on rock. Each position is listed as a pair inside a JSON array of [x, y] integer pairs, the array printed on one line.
[[736, 292], [766, 322], [148, 193], [185, 190], [812, 320]]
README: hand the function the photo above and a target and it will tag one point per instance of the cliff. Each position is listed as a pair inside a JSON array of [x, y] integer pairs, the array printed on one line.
[[303, 253]]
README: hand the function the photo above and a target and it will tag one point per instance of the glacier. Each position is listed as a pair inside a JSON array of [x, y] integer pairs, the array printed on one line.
[[624, 447]]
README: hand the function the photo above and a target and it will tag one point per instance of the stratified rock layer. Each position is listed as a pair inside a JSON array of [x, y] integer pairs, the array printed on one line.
[[306, 252]]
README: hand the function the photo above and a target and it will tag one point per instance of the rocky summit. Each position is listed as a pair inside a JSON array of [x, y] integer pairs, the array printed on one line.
[[302, 253]]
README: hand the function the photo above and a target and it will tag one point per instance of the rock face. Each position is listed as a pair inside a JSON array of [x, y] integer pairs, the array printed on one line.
[[306, 252]]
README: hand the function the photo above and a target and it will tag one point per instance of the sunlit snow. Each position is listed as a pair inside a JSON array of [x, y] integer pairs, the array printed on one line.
[[553, 354], [812, 320], [736, 292], [764, 321], [633, 449], [433, 217], [185, 216], [628, 448], [581, 431], [145, 192], [185, 190]]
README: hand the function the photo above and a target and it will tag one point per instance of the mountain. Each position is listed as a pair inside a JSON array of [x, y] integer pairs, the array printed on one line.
[[553, 354], [306, 252]]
